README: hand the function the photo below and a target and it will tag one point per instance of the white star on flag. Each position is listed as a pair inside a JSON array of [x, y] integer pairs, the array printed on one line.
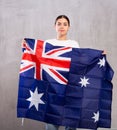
[[84, 81], [102, 62], [96, 116], [35, 99]]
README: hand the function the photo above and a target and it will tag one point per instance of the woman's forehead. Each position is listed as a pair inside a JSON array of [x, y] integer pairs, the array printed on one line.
[[62, 20]]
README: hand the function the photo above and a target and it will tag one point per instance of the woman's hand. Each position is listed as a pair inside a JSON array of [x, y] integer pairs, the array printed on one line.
[[23, 43], [104, 52]]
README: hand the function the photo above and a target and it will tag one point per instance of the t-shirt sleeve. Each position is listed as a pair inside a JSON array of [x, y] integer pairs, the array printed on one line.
[[76, 44]]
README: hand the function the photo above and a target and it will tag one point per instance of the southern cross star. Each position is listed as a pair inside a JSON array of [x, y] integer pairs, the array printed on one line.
[[101, 62], [96, 116], [35, 99], [84, 81]]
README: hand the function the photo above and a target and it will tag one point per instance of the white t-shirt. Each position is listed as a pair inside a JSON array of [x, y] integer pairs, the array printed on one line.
[[67, 43]]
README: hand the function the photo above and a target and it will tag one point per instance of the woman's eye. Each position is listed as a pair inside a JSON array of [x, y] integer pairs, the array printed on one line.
[[65, 24], [59, 24]]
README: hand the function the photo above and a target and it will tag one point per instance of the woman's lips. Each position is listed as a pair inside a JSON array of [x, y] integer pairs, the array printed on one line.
[[61, 30]]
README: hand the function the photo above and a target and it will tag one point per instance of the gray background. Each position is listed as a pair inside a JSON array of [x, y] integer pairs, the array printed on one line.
[[93, 25]]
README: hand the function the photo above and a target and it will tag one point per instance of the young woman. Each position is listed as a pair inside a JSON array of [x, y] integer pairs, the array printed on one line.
[[62, 25]]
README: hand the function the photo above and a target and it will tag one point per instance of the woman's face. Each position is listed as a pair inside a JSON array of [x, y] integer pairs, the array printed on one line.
[[62, 27]]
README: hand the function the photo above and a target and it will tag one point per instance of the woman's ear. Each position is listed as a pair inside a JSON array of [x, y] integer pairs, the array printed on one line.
[[68, 28]]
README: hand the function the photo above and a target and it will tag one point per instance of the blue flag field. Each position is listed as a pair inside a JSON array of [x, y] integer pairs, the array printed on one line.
[[64, 86]]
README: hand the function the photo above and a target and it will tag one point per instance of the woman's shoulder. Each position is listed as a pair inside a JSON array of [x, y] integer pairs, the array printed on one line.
[[74, 43], [69, 42], [50, 40]]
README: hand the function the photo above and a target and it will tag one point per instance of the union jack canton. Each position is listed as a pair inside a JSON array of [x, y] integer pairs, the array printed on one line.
[[40, 56]]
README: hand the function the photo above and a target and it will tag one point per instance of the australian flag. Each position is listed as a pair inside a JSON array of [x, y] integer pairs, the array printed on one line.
[[64, 86]]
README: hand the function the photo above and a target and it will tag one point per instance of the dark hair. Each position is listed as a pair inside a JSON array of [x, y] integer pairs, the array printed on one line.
[[63, 16]]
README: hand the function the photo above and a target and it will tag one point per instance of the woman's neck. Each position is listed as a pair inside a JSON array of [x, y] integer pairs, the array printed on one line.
[[61, 37]]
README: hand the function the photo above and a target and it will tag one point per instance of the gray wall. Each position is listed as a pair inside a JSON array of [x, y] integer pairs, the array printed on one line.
[[93, 25]]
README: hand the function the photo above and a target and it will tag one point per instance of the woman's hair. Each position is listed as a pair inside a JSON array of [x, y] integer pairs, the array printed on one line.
[[63, 16]]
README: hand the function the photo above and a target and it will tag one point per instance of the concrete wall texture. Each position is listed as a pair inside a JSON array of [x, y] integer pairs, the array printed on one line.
[[93, 25]]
